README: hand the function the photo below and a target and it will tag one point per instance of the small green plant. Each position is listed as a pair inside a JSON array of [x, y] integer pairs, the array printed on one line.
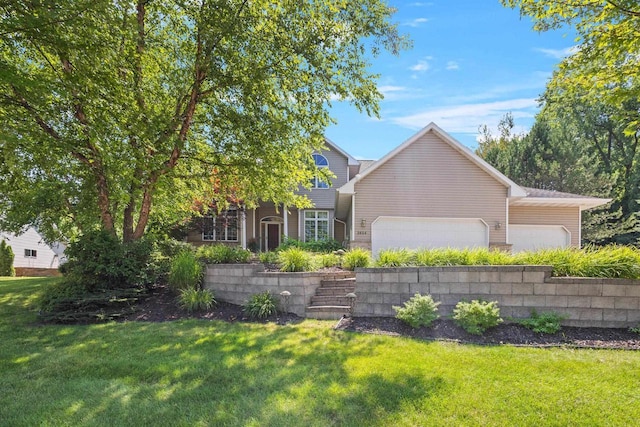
[[192, 299], [321, 246], [420, 310], [261, 306], [268, 257], [545, 323], [477, 316], [294, 259], [356, 257], [395, 258], [635, 330], [6, 260], [186, 271]]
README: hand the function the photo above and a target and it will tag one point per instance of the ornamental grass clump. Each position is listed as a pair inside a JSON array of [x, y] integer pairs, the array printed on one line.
[[186, 271], [295, 259], [419, 311], [356, 258], [193, 299], [222, 254], [329, 260], [261, 306], [477, 316], [395, 258]]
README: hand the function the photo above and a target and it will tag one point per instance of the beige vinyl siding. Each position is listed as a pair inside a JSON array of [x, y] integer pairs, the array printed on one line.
[[429, 178], [325, 198], [567, 217]]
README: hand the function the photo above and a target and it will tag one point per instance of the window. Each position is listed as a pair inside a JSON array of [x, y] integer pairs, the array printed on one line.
[[316, 225], [30, 253], [221, 228], [321, 162]]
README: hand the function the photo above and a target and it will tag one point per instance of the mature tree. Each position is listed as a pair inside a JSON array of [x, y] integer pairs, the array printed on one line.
[[604, 66], [116, 113]]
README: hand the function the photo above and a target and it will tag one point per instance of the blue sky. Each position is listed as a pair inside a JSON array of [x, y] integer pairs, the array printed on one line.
[[472, 61]]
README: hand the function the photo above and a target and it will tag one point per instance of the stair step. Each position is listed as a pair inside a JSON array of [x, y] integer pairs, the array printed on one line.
[[351, 281], [327, 312], [323, 300], [334, 291]]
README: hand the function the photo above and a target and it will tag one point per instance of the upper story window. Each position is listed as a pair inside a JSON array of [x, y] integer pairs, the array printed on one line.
[[321, 162], [221, 228], [30, 253]]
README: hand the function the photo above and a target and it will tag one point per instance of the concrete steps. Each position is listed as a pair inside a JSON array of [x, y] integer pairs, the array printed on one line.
[[330, 301]]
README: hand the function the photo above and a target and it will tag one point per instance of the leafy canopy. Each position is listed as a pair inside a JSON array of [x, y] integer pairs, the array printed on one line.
[[121, 114], [604, 64]]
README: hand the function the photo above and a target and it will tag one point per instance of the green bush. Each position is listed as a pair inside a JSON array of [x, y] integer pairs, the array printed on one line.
[[6, 260], [294, 259], [222, 254], [59, 292], [261, 306], [356, 257], [477, 316], [330, 260], [192, 299], [420, 310], [545, 323], [100, 261], [186, 272], [395, 258], [268, 257], [322, 246]]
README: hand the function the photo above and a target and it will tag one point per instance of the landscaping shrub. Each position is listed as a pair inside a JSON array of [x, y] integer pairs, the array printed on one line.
[[186, 272], [261, 306], [356, 257], [477, 316], [330, 260], [6, 260], [268, 257], [322, 246], [420, 310], [545, 323], [192, 299], [222, 254], [294, 259], [395, 258]]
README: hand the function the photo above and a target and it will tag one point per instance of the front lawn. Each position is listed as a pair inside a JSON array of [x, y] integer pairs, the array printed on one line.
[[199, 372]]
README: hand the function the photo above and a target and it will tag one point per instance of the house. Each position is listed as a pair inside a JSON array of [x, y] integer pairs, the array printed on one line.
[[430, 191], [31, 254]]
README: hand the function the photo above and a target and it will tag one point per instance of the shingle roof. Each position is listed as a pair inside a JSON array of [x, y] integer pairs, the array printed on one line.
[[365, 164], [550, 194]]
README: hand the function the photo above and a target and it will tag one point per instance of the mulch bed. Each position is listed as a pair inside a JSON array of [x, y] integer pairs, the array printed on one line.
[[160, 306]]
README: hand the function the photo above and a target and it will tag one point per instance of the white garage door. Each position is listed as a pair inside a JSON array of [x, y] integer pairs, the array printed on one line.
[[533, 237], [412, 233]]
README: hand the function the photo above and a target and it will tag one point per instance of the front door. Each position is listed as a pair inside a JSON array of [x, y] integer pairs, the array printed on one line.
[[273, 236]]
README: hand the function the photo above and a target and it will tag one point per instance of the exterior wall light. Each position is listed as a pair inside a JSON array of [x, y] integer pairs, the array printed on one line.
[[363, 222]]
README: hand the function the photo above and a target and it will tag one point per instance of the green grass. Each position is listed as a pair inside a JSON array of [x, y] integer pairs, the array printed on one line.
[[197, 373]]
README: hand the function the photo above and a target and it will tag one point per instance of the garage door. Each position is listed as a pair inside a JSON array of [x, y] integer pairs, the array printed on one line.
[[413, 233], [532, 237]]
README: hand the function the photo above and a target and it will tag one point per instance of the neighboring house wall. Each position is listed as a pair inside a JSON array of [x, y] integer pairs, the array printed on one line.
[[325, 198], [30, 251], [533, 215], [429, 178]]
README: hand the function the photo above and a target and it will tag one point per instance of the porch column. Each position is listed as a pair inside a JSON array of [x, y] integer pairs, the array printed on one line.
[[244, 230], [285, 214]]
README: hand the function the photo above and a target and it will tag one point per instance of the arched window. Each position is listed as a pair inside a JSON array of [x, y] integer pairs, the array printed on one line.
[[321, 162]]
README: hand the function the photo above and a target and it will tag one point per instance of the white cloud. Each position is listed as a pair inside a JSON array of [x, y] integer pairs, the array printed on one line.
[[466, 118], [420, 4], [452, 65], [558, 53], [422, 65], [416, 22], [396, 93]]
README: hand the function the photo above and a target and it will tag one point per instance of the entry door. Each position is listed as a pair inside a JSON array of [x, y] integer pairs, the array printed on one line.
[[273, 236]]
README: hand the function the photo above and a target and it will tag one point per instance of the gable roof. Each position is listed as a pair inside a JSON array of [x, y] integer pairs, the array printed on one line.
[[514, 190], [351, 161]]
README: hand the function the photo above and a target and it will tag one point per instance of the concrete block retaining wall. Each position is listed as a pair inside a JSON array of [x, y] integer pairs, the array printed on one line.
[[518, 289], [236, 283], [587, 302]]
